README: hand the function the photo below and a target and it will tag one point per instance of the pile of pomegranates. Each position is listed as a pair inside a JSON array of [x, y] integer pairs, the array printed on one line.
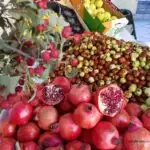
[[63, 116]]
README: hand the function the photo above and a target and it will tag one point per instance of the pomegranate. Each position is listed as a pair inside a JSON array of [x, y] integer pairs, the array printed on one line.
[[105, 135], [20, 113], [86, 115], [66, 106], [45, 116], [68, 129], [135, 121], [86, 136], [53, 94], [7, 143], [29, 146], [109, 100], [49, 140], [7, 129], [137, 139], [77, 145], [79, 94], [28, 132], [146, 119], [120, 121], [60, 147], [134, 109], [63, 82]]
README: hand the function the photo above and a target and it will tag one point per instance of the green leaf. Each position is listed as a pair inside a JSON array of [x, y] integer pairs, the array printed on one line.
[[21, 1], [9, 82], [32, 5], [71, 74], [1, 44]]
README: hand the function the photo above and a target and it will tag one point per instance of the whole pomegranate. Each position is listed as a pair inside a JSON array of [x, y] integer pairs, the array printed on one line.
[[134, 109], [63, 82], [86, 115], [20, 113], [47, 140], [137, 139], [69, 130], [77, 145], [121, 120], [7, 143], [29, 146], [109, 100], [45, 116], [105, 135], [146, 119], [79, 94], [7, 129], [28, 132]]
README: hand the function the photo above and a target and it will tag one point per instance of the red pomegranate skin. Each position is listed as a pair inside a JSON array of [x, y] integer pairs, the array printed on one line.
[[28, 132], [77, 145], [134, 109], [62, 82], [135, 121], [146, 119], [48, 139], [86, 115], [120, 145], [120, 121], [29, 146], [7, 129], [20, 113], [138, 139], [60, 147], [105, 135], [79, 94], [69, 130], [66, 106], [45, 116], [86, 136], [7, 143]]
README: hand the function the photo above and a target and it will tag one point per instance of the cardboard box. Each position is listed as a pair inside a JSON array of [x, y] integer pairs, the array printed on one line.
[[94, 24]]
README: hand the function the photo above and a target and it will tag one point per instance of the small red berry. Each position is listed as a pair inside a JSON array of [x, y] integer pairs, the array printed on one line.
[[76, 38], [21, 81], [67, 31], [18, 89], [40, 28], [30, 61], [43, 4], [45, 56], [39, 70], [55, 53], [74, 62], [19, 59], [28, 44], [46, 22]]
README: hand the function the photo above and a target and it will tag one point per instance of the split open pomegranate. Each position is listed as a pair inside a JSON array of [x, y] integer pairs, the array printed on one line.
[[109, 100]]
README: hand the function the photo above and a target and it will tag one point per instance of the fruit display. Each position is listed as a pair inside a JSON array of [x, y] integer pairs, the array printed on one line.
[[100, 60], [93, 94], [90, 121], [96, 9]]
